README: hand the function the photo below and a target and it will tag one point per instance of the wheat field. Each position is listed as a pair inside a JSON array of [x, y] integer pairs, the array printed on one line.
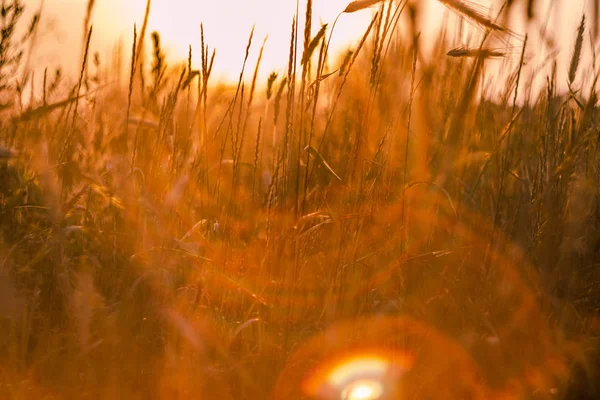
[[385, 223]]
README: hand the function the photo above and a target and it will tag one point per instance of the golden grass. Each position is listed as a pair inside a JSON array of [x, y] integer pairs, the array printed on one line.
[[399, 228], [576, 57], [469, 11], [478, 53], [360, 5]]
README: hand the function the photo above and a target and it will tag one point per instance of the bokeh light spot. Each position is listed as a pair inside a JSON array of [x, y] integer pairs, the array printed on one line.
[[363, 389], [360, 374]]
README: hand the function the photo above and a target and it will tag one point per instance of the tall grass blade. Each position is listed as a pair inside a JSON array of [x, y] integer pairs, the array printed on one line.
[[576, 57]]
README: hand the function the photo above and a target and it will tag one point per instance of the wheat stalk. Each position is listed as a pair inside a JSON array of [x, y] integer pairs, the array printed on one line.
[[138, 53], [87, 19], [468, 11], [478, 53], [576, 58], [308, 52], [360, 5]]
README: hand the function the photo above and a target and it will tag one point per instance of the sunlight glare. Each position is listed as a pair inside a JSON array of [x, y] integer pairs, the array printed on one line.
[[369, 366], [364, 389], [367, 374]]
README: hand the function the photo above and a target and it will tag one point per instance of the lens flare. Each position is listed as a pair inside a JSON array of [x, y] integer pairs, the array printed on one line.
[[383, 357], [367, 374], [363, 389], [361, 366]]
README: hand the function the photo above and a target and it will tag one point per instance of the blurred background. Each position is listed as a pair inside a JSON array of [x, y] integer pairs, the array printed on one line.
[[227, 26]]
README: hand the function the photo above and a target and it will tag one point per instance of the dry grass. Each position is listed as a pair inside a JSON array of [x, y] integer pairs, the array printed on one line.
[[468, 10], [477, 53], [172, 237], [360, 5]]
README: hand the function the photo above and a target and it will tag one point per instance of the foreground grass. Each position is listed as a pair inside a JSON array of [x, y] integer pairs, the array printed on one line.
[[170, 238]]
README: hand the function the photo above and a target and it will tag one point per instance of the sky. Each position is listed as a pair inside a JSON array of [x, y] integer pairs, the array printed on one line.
[[227, 24]]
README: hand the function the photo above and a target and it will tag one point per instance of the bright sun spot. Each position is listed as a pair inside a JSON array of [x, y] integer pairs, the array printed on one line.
[[364, 389], [372, 367], [362, 375]]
